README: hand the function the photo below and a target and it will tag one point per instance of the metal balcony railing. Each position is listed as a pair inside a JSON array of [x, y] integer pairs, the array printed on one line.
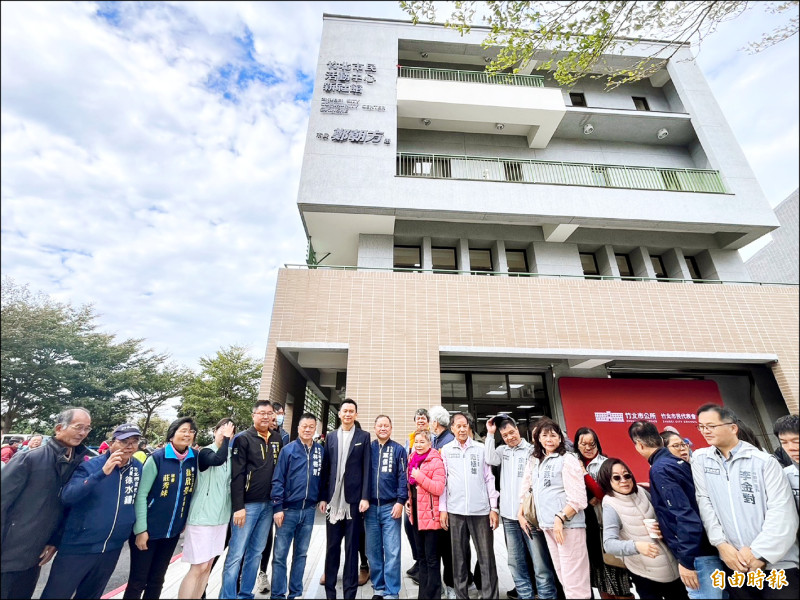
[[482, 168], [470, 76]]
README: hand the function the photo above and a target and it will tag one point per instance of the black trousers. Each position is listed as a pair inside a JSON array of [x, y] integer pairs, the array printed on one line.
[[84, 575], [148, 567], [462, 528], [746, 591], [430, 579], [655, 590], [348, 530], [267, 549], [445, 549], [19, 584]]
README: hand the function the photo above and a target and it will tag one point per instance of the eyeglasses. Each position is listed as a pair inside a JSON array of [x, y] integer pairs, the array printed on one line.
[[81, 428], [679, 446], [625, 477], [704, 427], [184, 432], [262, 413], [130, 442]]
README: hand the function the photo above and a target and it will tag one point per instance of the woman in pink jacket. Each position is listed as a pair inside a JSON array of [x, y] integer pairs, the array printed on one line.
[[426, 482]]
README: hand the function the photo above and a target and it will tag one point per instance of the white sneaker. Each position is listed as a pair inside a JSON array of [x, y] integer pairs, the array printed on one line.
[[262, 583], [449, 593]]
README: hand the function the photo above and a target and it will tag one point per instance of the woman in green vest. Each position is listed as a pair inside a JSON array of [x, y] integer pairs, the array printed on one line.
[[210, 512]]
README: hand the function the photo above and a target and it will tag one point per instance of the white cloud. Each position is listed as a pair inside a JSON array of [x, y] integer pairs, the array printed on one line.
[[131, 181]]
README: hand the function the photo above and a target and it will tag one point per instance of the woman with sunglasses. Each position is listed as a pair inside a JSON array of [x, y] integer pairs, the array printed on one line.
[[556, 478], [612, 580], [625, 507], [162, 507]]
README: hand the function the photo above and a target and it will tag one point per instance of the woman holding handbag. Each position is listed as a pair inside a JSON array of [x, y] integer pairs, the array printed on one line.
[[555, 478], [608, 573], [625, 508]]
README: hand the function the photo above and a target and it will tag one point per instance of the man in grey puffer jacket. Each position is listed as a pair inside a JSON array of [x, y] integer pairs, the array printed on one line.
[[745, 503]]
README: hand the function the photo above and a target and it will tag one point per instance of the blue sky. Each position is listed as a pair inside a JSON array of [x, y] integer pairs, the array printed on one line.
[[151, 153]]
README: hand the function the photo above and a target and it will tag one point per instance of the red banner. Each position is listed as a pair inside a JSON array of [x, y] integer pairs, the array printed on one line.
[[609, 406]]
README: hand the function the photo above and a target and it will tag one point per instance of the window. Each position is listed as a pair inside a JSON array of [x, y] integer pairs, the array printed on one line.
[[444, 259], [407, 257], [517, 261], [577, 99], [513, 171], [658, 267], [624, 264], [480, 260], [589, 264], [640, 103], [454, 385], [694, 270], [313, 404]]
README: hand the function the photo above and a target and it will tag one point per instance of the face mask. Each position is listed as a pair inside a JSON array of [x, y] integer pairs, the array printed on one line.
[[280, 420]]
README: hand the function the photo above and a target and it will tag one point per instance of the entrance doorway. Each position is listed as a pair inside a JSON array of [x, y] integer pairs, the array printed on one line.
[[522, 396]]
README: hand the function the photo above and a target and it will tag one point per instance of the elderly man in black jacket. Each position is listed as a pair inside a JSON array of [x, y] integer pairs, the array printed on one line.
[[31, 508]]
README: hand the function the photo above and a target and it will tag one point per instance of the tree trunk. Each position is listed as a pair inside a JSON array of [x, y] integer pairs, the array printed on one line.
[[8, 420], [149, 414]]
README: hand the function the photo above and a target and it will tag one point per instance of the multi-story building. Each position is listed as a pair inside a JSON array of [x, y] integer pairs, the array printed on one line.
[[499, 243], [777, 261]]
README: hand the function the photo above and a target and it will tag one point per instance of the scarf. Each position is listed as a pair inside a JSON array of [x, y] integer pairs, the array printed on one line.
[[180, 455], [415, 461], [339, 509]]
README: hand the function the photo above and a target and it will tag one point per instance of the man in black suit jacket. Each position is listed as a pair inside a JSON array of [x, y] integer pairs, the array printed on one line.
[[346, 497]]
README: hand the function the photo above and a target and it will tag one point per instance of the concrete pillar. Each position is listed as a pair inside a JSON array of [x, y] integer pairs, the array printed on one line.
[[675, 264], [606, 262], [427, 254], [641, 263], [462, 255], [499, 261]]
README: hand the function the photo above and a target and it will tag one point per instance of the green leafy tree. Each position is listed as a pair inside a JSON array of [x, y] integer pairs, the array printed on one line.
[[227, 386], [156, 429], [153, 383], [52, 356], [571, 37]]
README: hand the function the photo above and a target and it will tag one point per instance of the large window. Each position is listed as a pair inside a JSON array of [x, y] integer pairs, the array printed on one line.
[[517, 261], [484, 395], [694, 270], [577, 99], [658, 267], [624, 265], [480, 260], [407, 257], [640, 103], [589, 264], [313, 404], [444, 259]]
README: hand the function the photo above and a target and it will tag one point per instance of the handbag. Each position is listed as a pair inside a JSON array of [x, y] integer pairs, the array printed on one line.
[[611, 560], [529, 505], [529, 509]]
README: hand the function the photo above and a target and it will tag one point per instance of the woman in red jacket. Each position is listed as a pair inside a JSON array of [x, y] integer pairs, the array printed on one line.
[[426, 482]]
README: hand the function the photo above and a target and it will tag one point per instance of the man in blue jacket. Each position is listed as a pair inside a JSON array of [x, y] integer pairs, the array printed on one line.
[[673, 495], [388, 492], [100, 496], [295, 493]]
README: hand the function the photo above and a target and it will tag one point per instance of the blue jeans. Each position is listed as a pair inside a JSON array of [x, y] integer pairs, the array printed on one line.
[[245, 548], [515, 543], [297, 526], [543, 570], [383, 550], [705, 566]]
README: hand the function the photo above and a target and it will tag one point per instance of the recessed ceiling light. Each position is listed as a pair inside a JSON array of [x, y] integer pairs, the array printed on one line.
[[423, 54], [662, 133], [588, 129]]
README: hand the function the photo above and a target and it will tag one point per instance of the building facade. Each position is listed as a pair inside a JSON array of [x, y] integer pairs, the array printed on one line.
[[777, 261], [500, 244]]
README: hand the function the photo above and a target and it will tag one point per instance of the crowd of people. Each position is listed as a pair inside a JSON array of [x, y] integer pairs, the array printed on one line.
[[713, 522]]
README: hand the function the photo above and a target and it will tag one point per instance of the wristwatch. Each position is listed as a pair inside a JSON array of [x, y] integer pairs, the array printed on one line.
[[562, 516]]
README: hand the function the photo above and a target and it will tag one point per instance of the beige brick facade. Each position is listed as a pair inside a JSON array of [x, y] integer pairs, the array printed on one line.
[[395, 323]]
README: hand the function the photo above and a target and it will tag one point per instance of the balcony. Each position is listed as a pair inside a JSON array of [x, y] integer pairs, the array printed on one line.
[[470, 76], [478, 102], [481, 168]]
